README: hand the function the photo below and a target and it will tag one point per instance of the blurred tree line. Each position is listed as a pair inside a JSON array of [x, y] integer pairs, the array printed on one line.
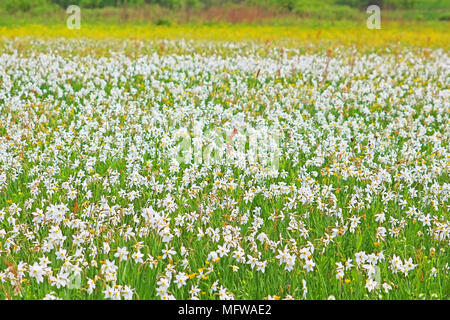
[[291, 5]]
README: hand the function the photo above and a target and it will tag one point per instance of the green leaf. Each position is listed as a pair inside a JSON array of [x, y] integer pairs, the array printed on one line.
[[359, 241]]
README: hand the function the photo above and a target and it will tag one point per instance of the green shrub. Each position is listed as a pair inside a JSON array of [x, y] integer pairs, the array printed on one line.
[[445, 16], [13, 6], [163, 22], [398, 4]]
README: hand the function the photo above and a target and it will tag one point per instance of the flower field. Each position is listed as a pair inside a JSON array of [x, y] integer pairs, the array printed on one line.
[[201, 168]]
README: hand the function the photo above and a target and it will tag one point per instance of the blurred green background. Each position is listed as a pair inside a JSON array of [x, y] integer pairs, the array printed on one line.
[[168, 12]]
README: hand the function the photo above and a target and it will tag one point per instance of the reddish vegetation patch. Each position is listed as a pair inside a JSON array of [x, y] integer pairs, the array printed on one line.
[[239, 14], [230, 14]]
